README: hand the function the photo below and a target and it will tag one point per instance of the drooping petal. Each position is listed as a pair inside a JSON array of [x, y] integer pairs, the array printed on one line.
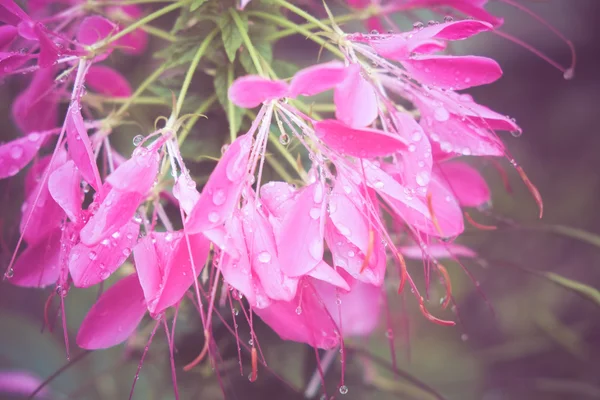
[[360, 307], [148, 264], [300, 242], [262, 251], [39, 264], [93, 29], [15, 155], [317, 78], [107, 81], [179, 273], [304, 319], [135, 42], [278, 197], [184, 190], [80, 147], [355, 99], [455, 30], [91, 265], [115, 315], [10, 61], [325, 273], [417, 161], [136, 174], [363, 143], [64, 185], [36, 108], [221, 193], [453, 72], [252, 90], [466, 183], [116, 210], [11, 13]]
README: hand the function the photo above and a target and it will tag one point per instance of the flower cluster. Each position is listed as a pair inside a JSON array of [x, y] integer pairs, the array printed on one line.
[[386, 176]]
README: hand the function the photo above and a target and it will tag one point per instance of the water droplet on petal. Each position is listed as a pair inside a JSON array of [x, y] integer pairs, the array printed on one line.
[[422, 178], [9, 273], [315, 213], [219, 197], [441, 114], [264, 257], [92, 255], [343, 389], [448, 18], [344, 230], [316, 249], [569, 74], [379, 185], [213, 217], [418, 25], [298, 310], [137, 140], [16, 152], [284, 139]]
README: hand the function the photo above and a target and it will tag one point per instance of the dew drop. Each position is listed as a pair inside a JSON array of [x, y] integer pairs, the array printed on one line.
[[13, 170], [448, 18], [315, 213], [219, 197], [224, 148], [251, 342], [569, 74], [16, 152], [213, 217], [34, 137], [379, 185], [92, 256], [412, 148], [298, 310], [9, 273], [338, 301], [137, 140], [516, 133], [418, 25], [316, 249], [374, 32], [464, 337], [350, 254], [344, 230], [416, 136], [422, 178], [264, 257], [284, 139], [343, 389], [441, 114], [126, 251]]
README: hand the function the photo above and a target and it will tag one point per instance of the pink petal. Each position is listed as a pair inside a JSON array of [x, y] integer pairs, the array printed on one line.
[[304, 319], [300, 243], [278, 198], [453, 72], [64, 185], [36, 108], [116, 210], [93, 29], [466, 182], [363, 143], [478, 114], [107, 81], [262, 252], [49, 51], [15, 155], [317, 78], [39, 264], [456, 30], [44, 215], [437, 251], [360, 308], [22, 383], [221, 193], [10, 61], [252, 90], [136, 42], [91, 265], [80, 147], [149, 265], [325, 273], [184, 190], [136, 174], [355, 99], [11, 13], [178, 275], [417, 162], [114, 317]]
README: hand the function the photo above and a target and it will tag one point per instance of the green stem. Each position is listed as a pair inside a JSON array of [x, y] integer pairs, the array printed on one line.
[[231, 106], [141, 88], [303, 14], [150, 17], [287, 24], [206, 104], [159, 33], [147, 100], [251, 50], [279, 169], [311, 25], [192, 69]]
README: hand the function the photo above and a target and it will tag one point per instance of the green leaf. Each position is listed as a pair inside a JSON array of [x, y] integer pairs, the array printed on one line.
[[196, 4], [284, 69], [264, 50], [583, 290], [232, 40], [221, 87]]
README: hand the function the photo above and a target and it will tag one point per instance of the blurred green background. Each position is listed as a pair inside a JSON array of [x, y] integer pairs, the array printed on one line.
[[519, 336]]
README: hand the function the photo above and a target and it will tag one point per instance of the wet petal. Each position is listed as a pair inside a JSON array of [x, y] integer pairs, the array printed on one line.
[[80, 147], [136, 174], [355, 99], [64, 185], [107, 81], [36, 108], [466, 183], [114, 317], [39, 264], [93, 29], [437, 251], [252, 90], [317, 78], [15, 155]]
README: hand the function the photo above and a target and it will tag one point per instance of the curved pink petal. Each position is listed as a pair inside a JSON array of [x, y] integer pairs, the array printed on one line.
[[317, 78], [455, 30], [11, 13], [116, 210], [453, 72], [278, 198], [36, 108], [64, 185], [10, 61], [44, 215], [363, 143], [107, 81], [80, 147], [222, 190], [355, 99], [39, 264], [479, 115], [300, 242], [93, 29], [262, 251], [304, 319], [91, 265], [15, 155], [325, 273], [184, 190], [466, 182], [136, 42], [114, 317], [49, 50], [360, 307], [136, 174], [179, 275], [437, 251], [149, 265], [252, 90]]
